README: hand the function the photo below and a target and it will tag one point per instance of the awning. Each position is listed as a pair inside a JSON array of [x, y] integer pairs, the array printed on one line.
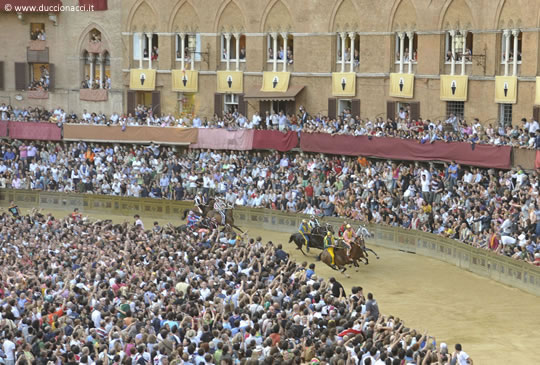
[[290, 94]]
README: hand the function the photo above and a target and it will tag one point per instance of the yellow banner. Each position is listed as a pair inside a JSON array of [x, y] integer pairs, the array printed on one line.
[[142, 79], [401, 85], [343, 83], [186, 81], [506, 89], [537, 98], [230, 82], [454, 88], [275, 81]]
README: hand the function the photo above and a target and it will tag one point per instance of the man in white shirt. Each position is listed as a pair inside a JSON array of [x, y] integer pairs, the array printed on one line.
[[461, 356], [256, 120], [9, 350]]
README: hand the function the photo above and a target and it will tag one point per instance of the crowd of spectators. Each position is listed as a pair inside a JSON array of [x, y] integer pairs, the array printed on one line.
[[497, 210], [525, 134], [80, 292]]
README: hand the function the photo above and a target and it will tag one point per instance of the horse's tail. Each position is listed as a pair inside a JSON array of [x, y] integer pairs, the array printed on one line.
[[186, 211]]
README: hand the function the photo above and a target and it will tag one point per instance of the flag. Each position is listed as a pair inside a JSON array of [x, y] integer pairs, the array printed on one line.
[[343, 83], [230, 82], [186, 81], [142, 79], [402, 85], [454, 88], [275, 81], [506, 89]]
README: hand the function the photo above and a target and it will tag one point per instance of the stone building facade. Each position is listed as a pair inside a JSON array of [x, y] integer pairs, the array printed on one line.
[[481, 39]]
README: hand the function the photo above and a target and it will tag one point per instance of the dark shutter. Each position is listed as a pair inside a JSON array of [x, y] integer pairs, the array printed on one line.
[[218, 104], [131, 102], [536, 113], [21, 76], [391, 110], [242, 105], [355, 108], [52, 77], [415, 110], [332, 108], [1, 75], [37, 56], [264, 106], [156, 102]]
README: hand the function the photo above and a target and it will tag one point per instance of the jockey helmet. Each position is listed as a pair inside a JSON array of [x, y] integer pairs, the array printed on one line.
[[348, 226], [304, 221], [190, 212], [328, 233]]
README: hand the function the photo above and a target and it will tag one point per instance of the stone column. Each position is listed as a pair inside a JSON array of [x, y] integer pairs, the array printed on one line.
[[352, 37], [401, 36]]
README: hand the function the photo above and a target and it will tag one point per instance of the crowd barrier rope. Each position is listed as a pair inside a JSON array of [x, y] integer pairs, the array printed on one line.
[[518, 274]]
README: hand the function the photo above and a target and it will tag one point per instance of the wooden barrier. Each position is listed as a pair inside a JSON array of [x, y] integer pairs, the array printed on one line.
[[518, 274]]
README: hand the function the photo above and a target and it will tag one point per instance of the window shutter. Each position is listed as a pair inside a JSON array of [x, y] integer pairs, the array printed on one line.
[[536, 113], [156, 103], [21, 75], [52, 77], [1, 75], [391, 110], [242, 105], [218, 104], [131, 102], [332, 108], [355, 108], [415, 110]]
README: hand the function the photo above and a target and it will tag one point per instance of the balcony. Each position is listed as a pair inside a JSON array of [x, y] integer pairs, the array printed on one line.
[[36, 45], [93, 94], [37, 94]]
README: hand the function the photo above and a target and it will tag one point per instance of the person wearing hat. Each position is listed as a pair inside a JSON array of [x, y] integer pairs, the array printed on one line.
[[329, 245], [304, 232], [348, 238], [313, 222]]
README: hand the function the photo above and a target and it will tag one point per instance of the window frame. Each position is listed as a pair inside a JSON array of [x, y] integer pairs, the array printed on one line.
[[340, 103], [197, 55], [458, 109], [270, 44], [448, 47], [232, 39], [406, 45], [503, 113], [42, 27], [232, 102], [503, 46]]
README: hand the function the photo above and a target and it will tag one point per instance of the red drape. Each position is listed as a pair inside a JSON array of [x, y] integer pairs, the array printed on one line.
[[274, 140], [4, 128], [98, 4], [403, 149], [37, 131]]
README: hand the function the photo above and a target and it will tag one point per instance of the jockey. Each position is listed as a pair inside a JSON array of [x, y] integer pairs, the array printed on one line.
[[348, 238], [313, 222], [219, 206], [342, 229], [329, 245], [303, 230], [200, 201], [192, 219]]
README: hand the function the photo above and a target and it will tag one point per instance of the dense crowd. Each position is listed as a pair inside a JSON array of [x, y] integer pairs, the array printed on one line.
[[81, 292], [497, 210], [525, 134]]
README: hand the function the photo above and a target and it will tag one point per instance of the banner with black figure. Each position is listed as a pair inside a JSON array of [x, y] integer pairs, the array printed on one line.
[[142, 79], [275, 81], [506, 89], [454, 87], [186, 81], [230, 82], [343, 83], [401, 85]]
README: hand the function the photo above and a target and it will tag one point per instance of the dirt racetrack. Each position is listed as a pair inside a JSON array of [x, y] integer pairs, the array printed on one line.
[[496, 324]]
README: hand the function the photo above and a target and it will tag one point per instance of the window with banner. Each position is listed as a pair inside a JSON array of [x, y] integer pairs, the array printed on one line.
[[407, 53], [190, 42], [141, 43], [515, 40], [459, 40], [234, 53]]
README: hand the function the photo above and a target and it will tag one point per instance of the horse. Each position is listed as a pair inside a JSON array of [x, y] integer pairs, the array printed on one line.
[[229, 219], [341, 259], [205, 209], [361, 233], [316, 238]]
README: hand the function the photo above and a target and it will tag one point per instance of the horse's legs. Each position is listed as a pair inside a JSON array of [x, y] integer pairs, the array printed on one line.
[[369, 249], [238, 228]]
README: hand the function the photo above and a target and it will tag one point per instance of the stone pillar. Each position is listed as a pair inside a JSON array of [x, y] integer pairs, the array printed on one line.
[[464, 52], [401, 36], [149, 35], [506, 35], [352, 37], [237, 39], [515, 33], [141, 49], [228, 48], [411, 38], [453, 45], [182, 50], [274, 38], [284, 36]]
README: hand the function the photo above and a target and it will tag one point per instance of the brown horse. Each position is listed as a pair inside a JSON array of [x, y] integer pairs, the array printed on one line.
[[341, 259], [229, 219]]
